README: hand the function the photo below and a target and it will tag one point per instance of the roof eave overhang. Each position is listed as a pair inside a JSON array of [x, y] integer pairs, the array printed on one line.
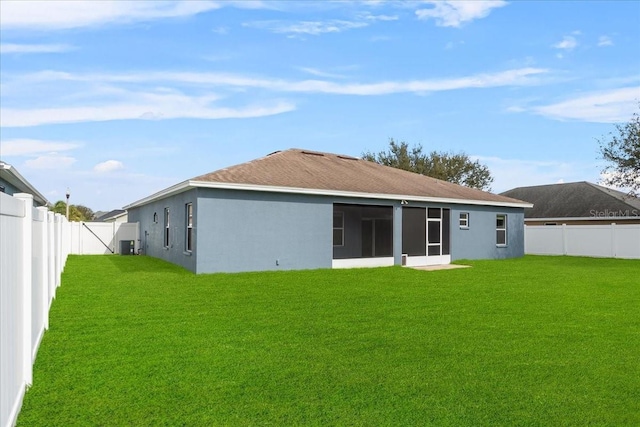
[[17, 180], [184, 186], [175, 189]]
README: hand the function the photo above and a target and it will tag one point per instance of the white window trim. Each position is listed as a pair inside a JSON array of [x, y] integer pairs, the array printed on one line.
[[166, 236], [188, 227], [465, 219], [505, 228]]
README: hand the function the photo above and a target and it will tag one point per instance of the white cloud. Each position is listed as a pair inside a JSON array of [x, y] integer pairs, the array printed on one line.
[[132, 111], [55, 15], [512, 77], [50, 161], [567, 43], [320, 73], [108, 166], [220, 30], [313, 28], [612, 106], [101, 101], [371, 17], [25, 147], [453, 13], [605, 41], [512, 173], [34, 48]]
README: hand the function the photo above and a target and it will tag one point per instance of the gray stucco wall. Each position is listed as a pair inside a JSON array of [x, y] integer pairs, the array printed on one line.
[[238, 231], [152, 233], [479, 240], [8, 188], [11, 189], [255, 231]]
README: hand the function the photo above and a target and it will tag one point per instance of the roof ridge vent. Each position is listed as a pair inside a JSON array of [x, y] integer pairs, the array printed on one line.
[[312, 153], [340, 156]]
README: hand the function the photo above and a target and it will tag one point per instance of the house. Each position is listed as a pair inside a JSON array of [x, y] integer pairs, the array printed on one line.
[[577, 203], [116, 215], [11, 182], [302, 209]]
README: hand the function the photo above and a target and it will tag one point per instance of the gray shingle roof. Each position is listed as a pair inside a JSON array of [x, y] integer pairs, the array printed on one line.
[[573, 200], [305, 169], [114, 213]]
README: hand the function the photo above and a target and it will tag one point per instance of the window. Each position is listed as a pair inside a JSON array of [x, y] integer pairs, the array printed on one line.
[[189, 227], [501, 230], [464, 219], [166, 227], [338, 228]]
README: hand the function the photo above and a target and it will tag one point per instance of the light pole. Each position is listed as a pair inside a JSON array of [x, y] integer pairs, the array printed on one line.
[[68, 194]]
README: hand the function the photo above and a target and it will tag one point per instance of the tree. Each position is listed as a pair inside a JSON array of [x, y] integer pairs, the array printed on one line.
[[448, 166], [621, 149], [76, 212], [86, 213]]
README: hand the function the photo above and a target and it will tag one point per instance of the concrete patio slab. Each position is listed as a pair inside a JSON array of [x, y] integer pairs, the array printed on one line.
[[440, 267]]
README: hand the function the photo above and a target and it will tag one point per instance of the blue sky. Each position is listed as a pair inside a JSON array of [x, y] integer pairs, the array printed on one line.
[[117, 100]]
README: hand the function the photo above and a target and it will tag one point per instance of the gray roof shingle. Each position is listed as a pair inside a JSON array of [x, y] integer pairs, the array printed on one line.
[[305, 169], [573, 200]]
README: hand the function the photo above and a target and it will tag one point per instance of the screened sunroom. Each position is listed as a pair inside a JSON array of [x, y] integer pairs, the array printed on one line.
[[363, 236]]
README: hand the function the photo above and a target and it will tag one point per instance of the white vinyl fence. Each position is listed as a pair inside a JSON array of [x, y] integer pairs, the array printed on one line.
[[607, 240], [100, 238], [33, 251], [34, 245]]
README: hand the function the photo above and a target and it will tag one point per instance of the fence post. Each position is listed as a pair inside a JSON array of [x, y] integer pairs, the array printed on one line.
[[27, 250], [51, 256], [564, 239], [44, 266], [58, 223], [613, 240]]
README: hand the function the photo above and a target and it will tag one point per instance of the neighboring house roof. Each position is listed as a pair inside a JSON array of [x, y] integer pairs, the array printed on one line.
[[10, 175], [99, 214], [575, 200], [311, 172], [116, 213]]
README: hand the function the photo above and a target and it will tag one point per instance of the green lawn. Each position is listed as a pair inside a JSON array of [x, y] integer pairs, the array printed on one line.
[[533, 341]]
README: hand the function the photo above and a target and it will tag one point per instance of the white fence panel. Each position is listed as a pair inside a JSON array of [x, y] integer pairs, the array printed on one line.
[[100, 238], [74, 243], [91, 242], [546, 240], [12, 380], [39, 277], [609, 240], [588, 240], [627, 241], [34, 246], [32, 257]]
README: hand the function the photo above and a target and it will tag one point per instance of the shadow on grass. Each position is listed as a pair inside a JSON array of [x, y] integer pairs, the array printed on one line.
[[141, 263]]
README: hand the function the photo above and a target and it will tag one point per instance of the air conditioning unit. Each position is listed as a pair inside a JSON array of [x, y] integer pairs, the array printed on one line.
[[127, 247]]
